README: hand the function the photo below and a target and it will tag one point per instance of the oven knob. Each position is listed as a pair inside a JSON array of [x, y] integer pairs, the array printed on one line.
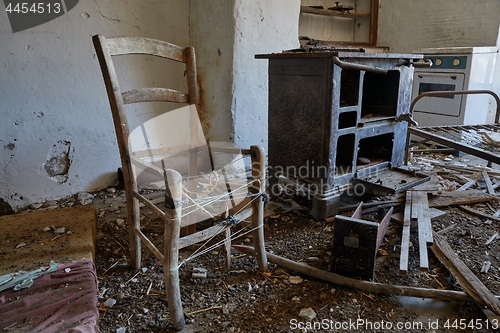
[[439, 61], [456, 62]]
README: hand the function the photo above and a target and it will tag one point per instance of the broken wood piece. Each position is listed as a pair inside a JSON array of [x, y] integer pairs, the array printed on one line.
[[367, 286], [393, 203], [420, 212], [487, 181], [405, 237], [486, 266], [433, 212], [447, 229], [466, 185], [465, 277], [478, 213], [491, 239], [459, 198]]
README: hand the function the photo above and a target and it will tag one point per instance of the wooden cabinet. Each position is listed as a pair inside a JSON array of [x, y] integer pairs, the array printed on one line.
[[341, 26]]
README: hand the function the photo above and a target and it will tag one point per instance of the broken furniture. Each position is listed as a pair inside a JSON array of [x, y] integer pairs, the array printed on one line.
[[356, 243], [32, 240], [335, 117], [202, 182], [479, 140]]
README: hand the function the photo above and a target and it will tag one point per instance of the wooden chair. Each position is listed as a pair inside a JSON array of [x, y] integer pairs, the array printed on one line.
[[178, 165]]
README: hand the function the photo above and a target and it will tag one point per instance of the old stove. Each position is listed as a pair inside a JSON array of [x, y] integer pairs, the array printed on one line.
[[338, 122]]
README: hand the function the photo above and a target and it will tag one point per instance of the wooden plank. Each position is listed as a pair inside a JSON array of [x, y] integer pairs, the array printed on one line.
[[434, 213], [154, 95], [382, 228], [466, 185], [367, 286], [419, 211], [405, 238], [427, 218], [487, 181], [140, 45], [465, 277], [357, 212], [478, 213], [491, 239], [459, 198], [371, 204]]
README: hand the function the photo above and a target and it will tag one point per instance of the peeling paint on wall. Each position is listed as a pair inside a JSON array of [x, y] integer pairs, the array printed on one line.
[[59, 161], [10, 146]]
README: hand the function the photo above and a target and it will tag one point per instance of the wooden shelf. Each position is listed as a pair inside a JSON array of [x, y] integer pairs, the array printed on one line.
[[318, 11]]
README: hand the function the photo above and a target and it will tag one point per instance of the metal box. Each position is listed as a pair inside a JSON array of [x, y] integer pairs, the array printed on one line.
[[328, 109], [455, 68]]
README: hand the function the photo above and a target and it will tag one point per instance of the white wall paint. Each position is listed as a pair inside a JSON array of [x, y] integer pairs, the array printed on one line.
[[261, 27], [405, 26], [212, 35], [51, 90], [227, 35]]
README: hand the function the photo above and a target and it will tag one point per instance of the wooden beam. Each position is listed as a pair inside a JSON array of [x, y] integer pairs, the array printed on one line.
[[467, 279], [487, 181], [466, 185], [459, 198], [420, 212], [405, 238], [367, 286], [478, 213]]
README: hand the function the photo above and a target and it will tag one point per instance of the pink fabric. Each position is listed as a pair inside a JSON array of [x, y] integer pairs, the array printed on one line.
[[57, 302]]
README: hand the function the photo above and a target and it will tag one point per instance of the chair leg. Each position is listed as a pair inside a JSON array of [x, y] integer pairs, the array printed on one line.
[[135, 241], [258, 234], [258, 186], [133, 216], [171, 251], [227, 247]]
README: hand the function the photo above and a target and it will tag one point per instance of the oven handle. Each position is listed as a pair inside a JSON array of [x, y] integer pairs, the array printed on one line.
[[350, 65], [421, 63]]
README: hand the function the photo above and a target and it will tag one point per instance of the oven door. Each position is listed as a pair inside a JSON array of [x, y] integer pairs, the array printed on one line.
[[448, 105]]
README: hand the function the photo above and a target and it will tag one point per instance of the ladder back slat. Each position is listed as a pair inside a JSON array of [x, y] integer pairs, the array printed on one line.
[[139, 45], [154, 95]]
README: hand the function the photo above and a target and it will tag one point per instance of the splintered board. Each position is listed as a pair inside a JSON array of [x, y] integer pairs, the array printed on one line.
[[459, 198]]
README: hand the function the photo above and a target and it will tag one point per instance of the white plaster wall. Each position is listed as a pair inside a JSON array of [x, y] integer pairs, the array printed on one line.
[[51, 90], [227, 35], [262, 26], [212, 35], [407, 25]]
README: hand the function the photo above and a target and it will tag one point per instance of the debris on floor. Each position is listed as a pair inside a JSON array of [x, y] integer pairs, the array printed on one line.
[[463, 211]]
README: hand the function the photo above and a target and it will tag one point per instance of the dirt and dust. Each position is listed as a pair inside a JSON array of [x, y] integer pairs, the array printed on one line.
[[245, 300]]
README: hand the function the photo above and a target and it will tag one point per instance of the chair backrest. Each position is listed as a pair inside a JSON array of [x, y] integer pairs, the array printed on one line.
[[106, 48], [220, 178]]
